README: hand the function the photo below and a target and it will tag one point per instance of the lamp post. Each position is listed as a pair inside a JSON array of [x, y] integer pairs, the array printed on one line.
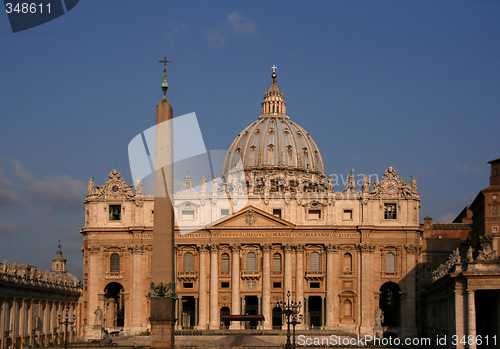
[[291, 310], [66, 322]]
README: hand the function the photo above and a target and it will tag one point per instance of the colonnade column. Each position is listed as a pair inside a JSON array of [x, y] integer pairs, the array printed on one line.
[[202, 296], [459, 316], [299, 280], [330, 294], [266, 286], [471, 316], [214, 287], [235, 285]]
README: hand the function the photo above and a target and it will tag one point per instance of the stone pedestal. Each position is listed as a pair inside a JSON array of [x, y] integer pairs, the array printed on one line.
[[162, 323]]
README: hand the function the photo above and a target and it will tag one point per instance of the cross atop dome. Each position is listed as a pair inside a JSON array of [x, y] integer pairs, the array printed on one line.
[[274, 71]]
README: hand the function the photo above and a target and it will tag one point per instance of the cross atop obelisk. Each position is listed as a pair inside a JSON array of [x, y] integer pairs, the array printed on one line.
[[164, 85]]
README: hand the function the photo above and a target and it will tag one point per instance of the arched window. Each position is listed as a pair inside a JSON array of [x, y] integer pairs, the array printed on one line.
[[188, 262], [347, 263], [277, 262], [251, 261], [225, 262], [314, 261], [347, 308], [390, 263], [114, 263]]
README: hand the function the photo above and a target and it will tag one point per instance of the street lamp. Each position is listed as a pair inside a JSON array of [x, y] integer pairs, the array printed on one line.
[[66, 322], [290, 310]]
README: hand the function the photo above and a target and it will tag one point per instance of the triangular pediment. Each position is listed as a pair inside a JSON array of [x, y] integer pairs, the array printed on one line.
[[251, 217]]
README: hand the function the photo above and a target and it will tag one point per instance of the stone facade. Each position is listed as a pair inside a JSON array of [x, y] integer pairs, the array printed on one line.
[[31, 301], [343, 254]]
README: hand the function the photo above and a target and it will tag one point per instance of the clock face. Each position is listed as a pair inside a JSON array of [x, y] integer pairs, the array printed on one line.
[[115, 188], [391, 186]]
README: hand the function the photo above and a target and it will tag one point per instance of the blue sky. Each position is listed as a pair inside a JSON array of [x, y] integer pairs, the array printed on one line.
[[409, 84]]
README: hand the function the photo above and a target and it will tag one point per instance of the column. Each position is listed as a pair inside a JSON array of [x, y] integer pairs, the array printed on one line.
[[459, 316], [202, 296], [299, 280], [471, 316], [137, 292], [411, 265], [266, 287], [322, 312], [2, 322], [366, 300], [235, 285], [330, 295], [93, 291], [306, 312], [196, 311], [214, 287], [288, 270], [288, 274]]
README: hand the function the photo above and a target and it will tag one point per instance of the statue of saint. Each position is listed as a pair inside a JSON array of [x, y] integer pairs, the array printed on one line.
[[413, 185], [470, 257], [365, 184], [329, 184], [203, 184], [90, 186], [379, 317], [98, 317], [215, 185], [138, 185]]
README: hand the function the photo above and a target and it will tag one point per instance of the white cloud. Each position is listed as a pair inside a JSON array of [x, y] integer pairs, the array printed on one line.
[[447, 218], [240, 24], [7, 193], [216, 36], [10, 229], [236, 24], [60, 191], [464, 168]]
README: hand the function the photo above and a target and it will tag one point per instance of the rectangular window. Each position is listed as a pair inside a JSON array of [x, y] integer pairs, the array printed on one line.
[[187, 215], [347, 215], [494, 210], [314, 285], [390, 211], [224, 285], [494, 196], [494, 229], [115, 212], [187, 285], [224, 212], [314, 214], [276, 284], [277, 212]]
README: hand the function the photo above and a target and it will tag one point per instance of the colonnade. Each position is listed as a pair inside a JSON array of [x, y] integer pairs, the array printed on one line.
[[29, 322]]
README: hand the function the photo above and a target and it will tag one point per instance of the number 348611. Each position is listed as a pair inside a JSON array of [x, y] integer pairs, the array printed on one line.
[[27, 7]]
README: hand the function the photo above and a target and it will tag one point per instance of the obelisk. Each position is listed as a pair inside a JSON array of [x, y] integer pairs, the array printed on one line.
[[163, 295]]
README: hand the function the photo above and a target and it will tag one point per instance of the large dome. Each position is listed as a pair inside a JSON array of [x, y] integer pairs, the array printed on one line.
[[274, 142]]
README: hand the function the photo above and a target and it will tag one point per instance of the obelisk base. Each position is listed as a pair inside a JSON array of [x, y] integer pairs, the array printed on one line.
[[162, 323]]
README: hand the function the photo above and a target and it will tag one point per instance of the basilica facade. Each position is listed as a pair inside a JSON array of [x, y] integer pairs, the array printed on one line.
[[347, 252]]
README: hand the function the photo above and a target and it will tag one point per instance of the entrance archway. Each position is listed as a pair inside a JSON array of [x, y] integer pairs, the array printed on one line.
[[390, 304], [251, 308], [315, 315], [188, 312], [277, 318], [225, 311], [114, 304]]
